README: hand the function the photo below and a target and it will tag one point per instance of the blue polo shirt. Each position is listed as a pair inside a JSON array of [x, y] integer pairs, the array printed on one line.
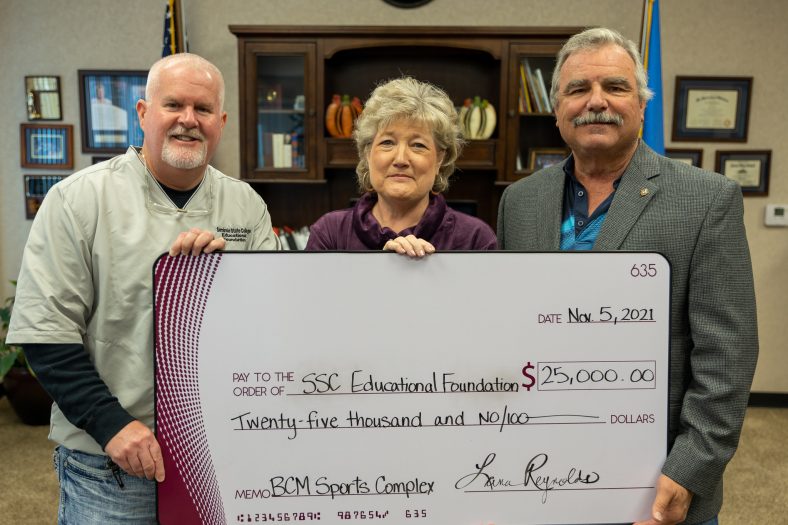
[[578, 230]]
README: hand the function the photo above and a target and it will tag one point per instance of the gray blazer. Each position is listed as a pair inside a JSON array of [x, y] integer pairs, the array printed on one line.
[[694, 218]]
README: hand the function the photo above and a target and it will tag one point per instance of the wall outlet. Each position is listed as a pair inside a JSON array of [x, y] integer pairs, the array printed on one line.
[[776, 215]]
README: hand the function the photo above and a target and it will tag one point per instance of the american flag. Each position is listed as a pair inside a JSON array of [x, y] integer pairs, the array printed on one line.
[[174, 40]]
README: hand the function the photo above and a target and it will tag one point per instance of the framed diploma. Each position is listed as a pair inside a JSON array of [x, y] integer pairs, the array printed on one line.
[[693, 157], [749, 168], [458, 389], [714, 109]]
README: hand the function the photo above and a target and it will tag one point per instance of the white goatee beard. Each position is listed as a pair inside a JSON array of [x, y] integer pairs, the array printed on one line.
[[183, 158]]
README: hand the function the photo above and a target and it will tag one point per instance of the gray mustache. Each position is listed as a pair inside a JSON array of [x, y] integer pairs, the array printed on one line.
[[598, 118], [180, 130]]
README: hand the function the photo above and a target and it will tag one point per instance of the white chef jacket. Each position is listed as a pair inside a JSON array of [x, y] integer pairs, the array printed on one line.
[[86, 272]]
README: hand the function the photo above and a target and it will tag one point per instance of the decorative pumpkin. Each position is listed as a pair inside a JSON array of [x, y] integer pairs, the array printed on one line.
[[341, 113], [477, 118]]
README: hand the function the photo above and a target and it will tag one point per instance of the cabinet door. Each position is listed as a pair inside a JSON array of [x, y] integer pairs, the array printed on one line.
[[535, 141], [278, 107]]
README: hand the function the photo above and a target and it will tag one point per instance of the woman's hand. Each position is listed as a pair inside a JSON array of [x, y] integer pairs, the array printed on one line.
[[196, 241], [410, 246]]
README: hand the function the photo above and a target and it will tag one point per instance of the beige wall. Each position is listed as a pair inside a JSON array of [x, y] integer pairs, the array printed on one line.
[[700, 37]]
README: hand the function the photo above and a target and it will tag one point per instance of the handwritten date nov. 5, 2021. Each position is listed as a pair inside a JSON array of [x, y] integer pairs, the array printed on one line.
[[606, 314]]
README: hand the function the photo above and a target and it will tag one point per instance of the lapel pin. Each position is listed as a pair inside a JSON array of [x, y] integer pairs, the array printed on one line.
[[643, 192]]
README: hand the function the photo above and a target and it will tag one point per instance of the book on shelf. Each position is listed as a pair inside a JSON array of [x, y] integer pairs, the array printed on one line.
[[525, 99], [546, 107], [260, 145], [533, 91], [295, 153], [537, 97], [268, 150], [277, 143], [280, 150]]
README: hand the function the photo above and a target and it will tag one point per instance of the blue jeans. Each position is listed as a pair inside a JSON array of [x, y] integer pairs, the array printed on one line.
[[90, 492]]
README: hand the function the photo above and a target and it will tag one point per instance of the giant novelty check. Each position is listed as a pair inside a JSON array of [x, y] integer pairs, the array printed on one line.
[[463, 388]]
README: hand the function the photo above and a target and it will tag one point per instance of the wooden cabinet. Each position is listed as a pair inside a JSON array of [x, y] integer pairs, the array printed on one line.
[[278, 115], [532, 127], [288, 74]]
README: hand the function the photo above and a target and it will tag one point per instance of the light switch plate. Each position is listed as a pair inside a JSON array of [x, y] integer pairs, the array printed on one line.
[[776, 215]]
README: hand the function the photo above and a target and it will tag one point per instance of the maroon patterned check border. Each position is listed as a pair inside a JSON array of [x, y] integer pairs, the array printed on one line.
[[190, 492]]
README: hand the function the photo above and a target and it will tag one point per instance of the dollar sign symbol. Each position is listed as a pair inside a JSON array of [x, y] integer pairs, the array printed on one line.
[[530, 379]]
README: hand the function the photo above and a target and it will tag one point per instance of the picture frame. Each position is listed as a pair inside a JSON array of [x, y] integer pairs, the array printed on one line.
[[713, 109], [101, 158], [693, 157], [36, 187], [749, 168], [108, 109], [539, 158], [46, 146], [42, 97]]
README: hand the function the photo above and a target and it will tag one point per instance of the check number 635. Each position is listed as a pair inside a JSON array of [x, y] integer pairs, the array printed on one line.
[[643, 270]]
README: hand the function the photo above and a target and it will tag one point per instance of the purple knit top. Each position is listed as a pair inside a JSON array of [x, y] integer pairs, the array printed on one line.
[[357, 229]]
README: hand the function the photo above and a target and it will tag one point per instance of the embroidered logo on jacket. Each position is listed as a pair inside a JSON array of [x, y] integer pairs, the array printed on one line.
[[233, 234]]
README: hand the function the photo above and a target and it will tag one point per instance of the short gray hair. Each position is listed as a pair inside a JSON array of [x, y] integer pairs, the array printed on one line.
[[409, 99], [595, 38], [190, 59]]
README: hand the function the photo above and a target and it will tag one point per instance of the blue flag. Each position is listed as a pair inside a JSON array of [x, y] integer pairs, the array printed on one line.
[[653, 123]]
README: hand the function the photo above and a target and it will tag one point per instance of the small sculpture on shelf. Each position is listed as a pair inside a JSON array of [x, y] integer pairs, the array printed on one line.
[[341, 113], [477, 118]]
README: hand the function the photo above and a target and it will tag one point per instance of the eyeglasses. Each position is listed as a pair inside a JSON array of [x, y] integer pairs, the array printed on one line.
[[173, 210]]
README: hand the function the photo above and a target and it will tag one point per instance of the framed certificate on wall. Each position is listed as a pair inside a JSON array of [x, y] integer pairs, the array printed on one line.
[[715, 109], [749, 168]]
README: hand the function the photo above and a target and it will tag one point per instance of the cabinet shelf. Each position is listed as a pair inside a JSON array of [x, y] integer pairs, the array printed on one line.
[[479, 154], [340, 153], [307, 65]]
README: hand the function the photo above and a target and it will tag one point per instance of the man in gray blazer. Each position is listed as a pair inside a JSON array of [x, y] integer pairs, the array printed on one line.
[[615, 193]]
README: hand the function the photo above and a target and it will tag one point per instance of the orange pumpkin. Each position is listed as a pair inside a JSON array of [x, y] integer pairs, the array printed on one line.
[[341, 113]]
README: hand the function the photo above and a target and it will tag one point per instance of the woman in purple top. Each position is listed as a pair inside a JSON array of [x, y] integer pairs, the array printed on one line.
[[408, 139]]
